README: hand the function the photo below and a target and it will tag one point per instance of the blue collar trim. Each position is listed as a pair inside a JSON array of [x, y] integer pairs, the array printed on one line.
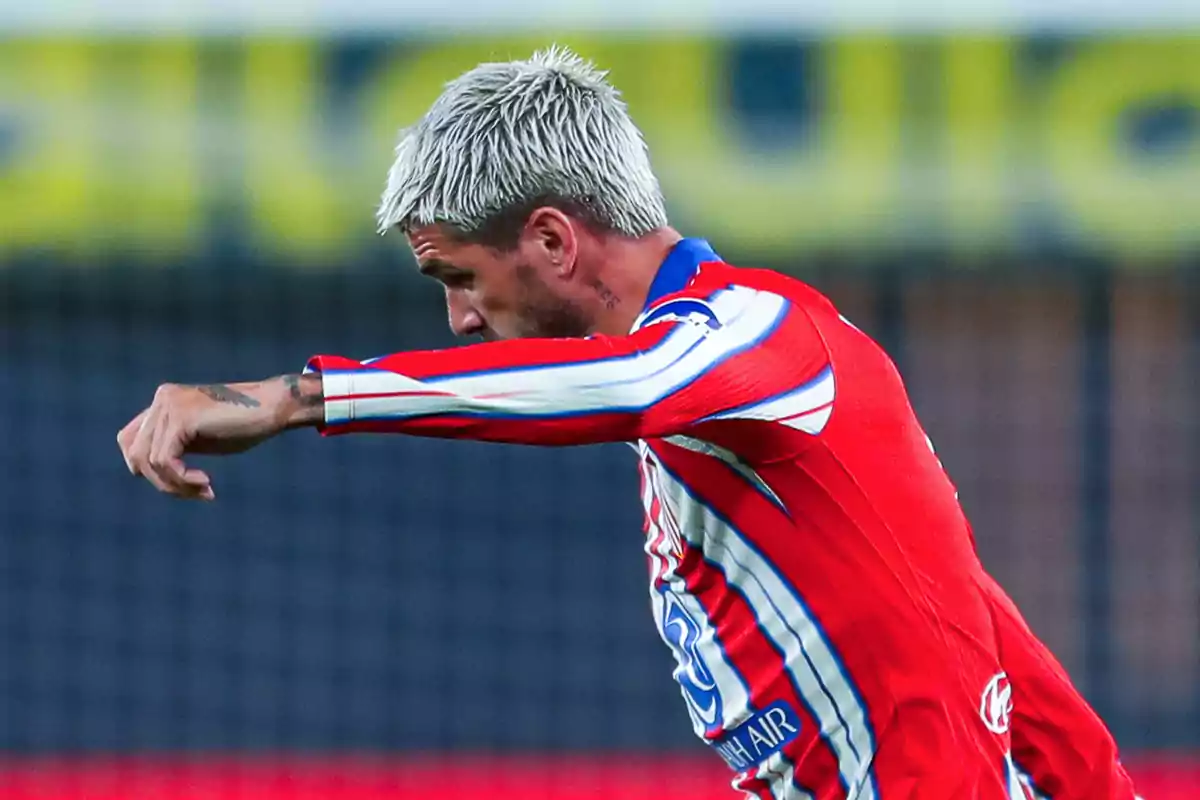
[[678, 268]]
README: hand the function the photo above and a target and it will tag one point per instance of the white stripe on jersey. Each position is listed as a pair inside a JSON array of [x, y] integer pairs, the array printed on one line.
[[730, 686], [779, 773], [813, 667], [630, 382], [807, 408], [730, 458], [1016, 786]]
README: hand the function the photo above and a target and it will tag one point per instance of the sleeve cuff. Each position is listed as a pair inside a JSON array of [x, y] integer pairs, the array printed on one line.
[[338, 388]]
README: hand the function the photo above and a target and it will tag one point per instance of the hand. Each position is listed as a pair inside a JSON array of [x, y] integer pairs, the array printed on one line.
[[216, 419]]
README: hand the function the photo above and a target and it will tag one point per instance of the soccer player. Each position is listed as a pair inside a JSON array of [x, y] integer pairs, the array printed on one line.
[[809, 564]]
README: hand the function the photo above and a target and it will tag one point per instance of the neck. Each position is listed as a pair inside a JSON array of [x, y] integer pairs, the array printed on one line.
[[627, 269]]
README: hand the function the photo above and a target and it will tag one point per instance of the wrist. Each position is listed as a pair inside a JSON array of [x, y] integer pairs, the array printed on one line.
[[304, 400]]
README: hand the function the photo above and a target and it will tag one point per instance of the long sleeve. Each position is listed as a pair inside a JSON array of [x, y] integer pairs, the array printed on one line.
[[738, 354]]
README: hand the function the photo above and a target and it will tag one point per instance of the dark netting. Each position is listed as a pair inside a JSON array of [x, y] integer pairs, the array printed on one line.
[[386, 592]]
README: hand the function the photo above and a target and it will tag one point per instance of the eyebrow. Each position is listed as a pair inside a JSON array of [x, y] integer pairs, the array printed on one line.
[[433, 266]]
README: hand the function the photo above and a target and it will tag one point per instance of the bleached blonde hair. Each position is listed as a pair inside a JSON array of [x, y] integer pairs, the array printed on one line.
[[507, 136]]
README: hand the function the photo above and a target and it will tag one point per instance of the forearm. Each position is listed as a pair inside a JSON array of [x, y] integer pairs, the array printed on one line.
[[304, 405], [290, 401], [213, 419]]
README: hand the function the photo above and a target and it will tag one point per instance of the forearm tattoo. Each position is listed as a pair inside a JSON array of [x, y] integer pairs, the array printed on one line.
[[306, 400], [224, 394]]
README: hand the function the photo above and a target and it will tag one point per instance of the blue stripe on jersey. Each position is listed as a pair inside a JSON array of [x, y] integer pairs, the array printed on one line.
[[857, 696], [678, 268]]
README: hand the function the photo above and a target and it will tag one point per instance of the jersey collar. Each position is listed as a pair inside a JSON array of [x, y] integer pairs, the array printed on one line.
[[678, 268]]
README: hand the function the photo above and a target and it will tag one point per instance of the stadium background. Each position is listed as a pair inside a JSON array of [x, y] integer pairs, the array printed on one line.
[[1010, 204]]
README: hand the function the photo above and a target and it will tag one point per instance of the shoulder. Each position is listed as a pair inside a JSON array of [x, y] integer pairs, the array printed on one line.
[[763, 280], [719, 293]]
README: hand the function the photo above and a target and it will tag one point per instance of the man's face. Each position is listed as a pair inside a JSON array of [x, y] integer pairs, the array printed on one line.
[[502, 295]]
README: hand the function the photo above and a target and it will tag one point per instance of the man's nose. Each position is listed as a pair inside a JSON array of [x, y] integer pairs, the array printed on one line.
[[465, 320]]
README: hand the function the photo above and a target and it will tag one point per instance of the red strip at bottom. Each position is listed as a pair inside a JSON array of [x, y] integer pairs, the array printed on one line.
[[382, 777]]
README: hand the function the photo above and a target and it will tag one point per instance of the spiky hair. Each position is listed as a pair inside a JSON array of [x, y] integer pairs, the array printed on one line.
[[505, 136]]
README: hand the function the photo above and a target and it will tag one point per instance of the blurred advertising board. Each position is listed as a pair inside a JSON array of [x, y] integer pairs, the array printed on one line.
[[324, 17], [772, 146]]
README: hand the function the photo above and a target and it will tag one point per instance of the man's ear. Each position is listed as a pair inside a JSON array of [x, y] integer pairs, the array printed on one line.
[[551, 234]]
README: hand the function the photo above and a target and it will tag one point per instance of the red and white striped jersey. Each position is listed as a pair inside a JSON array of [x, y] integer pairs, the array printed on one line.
[[810, 566]]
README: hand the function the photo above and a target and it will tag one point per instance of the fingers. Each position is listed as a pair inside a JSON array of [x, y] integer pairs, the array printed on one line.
[[163, 454], [153, 444], [144, 449], [166, 461], [194, 477], [126, 438], [138, 455]]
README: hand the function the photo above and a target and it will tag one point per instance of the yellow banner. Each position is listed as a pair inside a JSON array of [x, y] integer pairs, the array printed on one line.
[[278, 147]]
